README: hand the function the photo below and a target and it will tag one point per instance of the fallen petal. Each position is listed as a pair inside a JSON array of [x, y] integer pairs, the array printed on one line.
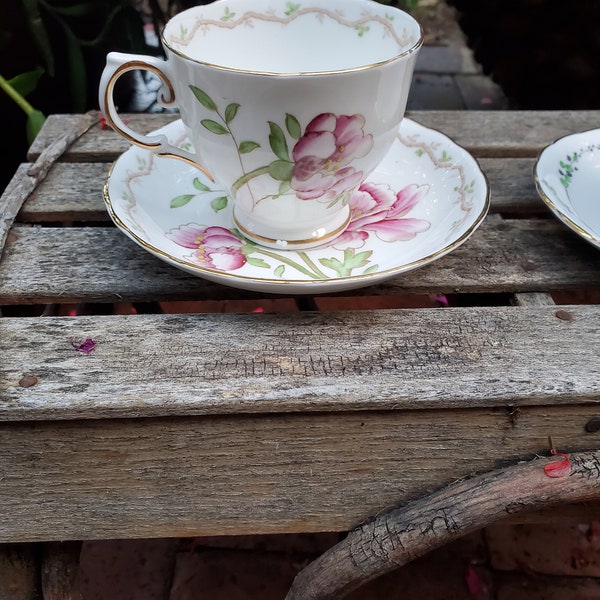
[[85, 347]]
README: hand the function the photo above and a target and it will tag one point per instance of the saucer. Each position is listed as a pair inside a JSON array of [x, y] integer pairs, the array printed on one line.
[[424, 200], [567, 177]]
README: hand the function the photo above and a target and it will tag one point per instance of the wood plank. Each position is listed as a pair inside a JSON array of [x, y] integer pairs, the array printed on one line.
[[484, 133], [248, 474], [73, 191], [101, 265], [512, 187], [160, 365], [70, 192]]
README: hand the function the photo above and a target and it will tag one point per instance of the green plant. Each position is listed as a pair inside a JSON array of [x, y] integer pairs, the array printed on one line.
[[16, 89], [60, 45]]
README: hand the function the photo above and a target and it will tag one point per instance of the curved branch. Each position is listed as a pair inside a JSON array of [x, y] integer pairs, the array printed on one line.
[[396, 538]]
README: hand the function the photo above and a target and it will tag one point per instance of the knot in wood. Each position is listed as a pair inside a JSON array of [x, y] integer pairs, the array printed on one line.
[[593, 425], [563, 315], [28, 381]]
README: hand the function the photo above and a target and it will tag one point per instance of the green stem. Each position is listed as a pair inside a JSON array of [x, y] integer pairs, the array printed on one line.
[[244, 179], [293, 264], [311, 264], [12, 93]]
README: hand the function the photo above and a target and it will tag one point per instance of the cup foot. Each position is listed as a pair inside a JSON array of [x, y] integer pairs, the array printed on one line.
[[303, 241]]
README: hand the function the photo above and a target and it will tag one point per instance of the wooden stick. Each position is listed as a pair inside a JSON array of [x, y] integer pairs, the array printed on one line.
[[18, 191], [404, 534]]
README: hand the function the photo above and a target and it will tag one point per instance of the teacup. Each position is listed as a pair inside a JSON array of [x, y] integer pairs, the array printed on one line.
[[289, 105]]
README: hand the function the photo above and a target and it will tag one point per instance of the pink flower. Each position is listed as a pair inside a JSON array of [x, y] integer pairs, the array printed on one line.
[[375, 209], [321, 156], [214, 247]]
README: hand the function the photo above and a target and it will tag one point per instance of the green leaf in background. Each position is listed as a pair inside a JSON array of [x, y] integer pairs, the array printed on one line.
[[203, 98], [77, 10], [77, 73], [25, 83], [35, 120], [39, 33]]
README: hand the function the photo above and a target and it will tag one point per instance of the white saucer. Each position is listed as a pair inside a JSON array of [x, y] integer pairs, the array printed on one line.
[[172, 210], [567, 177]]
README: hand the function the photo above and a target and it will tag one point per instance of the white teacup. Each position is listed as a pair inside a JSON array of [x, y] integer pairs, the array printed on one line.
[[289, 105]]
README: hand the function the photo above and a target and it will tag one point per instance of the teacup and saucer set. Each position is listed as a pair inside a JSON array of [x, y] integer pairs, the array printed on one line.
[[567, 176], [293, 167]]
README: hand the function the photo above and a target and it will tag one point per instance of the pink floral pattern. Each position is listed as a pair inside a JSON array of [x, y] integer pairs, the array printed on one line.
[[376, 209], [214, 247], [321, 156]]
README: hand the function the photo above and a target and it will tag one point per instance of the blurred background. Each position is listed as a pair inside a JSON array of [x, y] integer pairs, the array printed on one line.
[[543, 54]]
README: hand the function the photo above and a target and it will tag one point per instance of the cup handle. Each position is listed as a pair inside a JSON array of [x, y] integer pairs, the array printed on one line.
[[118, 63]]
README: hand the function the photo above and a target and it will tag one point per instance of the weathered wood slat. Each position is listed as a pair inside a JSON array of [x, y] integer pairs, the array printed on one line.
[[73, 191], [161, 365], [101, 265], [484, 133], [254, 474]]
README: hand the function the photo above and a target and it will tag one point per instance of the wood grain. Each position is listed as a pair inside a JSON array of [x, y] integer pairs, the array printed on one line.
[[405, 533], [210, 424], [73, 191], [484, 133], [160, 365], [98, 264], [248, 474]]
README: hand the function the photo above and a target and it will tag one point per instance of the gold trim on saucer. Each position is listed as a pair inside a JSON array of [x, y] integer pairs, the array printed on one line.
[[285, 243], [276, 285]]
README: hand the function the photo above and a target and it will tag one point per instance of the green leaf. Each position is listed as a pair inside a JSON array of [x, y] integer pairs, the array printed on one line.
[[203, 98], [284, 187], [214, 126], [228, 15], [182, 200], [257, 262], [281, 170], [200, 186], [39, 33], [78, 10], [352, 261], [230, 112], [77, 73], [277, 142], [293, 126], [25, 83], [35, 120], [280, 270], [371, 269], [332, 263], [248, 146], [219, 203]]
